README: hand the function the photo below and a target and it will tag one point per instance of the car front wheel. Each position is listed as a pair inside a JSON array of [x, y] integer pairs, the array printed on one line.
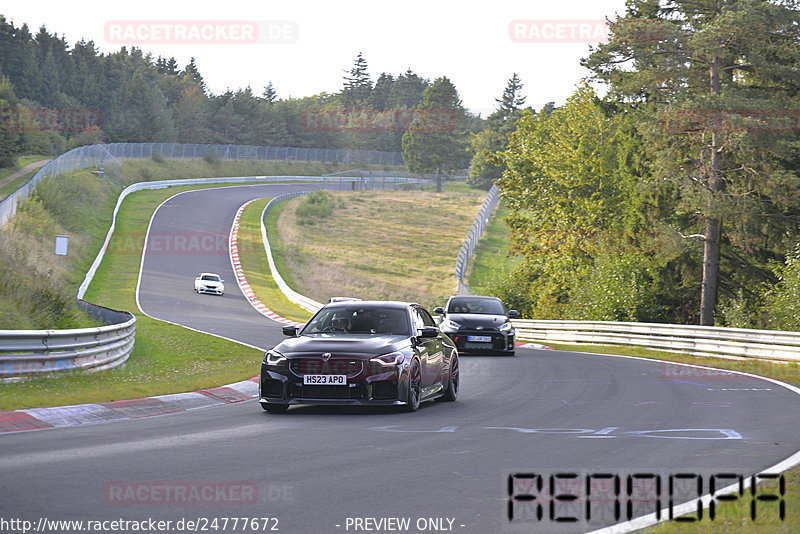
[[414, 387], [451, 393]]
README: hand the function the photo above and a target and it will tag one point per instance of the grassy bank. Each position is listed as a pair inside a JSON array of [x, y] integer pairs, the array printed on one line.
[[7, 187], [39, 292], [38, 288], [165, 359], [491, 255], [174, 169], [381, 244], [256, 267]]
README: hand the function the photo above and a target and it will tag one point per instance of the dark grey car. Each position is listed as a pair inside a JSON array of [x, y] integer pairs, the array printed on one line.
[[363, 353], [478, 325]]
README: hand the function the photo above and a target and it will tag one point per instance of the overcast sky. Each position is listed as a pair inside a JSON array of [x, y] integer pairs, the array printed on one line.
[[305, 46]]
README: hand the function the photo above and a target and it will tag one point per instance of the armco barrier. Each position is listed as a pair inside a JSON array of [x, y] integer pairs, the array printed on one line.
[[304, 302], [696, 340], [44, 352], [106, 158], [474, 234]]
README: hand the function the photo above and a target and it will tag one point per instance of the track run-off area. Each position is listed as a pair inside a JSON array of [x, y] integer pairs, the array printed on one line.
[[448, 467]]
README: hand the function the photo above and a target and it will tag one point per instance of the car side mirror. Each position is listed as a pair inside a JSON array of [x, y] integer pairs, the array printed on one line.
[[513, 313], [290, 331], [438, 310], [428, 331]]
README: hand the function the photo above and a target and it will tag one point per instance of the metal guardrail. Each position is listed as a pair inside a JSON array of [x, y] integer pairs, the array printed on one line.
[[268, 153], [696, 340], [25, 353], [106, 158], [474, 234], [304, 302]]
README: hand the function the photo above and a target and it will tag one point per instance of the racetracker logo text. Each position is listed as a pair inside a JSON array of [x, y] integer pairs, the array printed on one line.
[[171, 493], [201, 32], [49, 120]]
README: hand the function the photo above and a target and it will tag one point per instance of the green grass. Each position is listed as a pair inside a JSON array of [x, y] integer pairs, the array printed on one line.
[[172, 169], [734, 517], [165, 359], [376, 244], [256, 267], [13, 185], [491, 254], [8, 188], [20, 162]]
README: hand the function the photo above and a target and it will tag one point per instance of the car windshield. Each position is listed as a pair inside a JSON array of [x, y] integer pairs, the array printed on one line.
[[210, 277], [358, 320], [467, 305]]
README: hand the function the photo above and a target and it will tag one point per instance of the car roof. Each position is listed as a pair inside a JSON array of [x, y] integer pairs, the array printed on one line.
[[473, 297], [370, 304], [204, 274]]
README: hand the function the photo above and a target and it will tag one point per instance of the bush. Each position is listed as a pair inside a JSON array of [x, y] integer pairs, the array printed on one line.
[[614, 288], [72, 198], [783, 300], [158, 157], [211, 157], [315, 206]]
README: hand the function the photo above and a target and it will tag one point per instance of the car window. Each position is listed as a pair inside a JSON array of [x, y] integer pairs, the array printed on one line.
[[468, 305], [427, 320], [418, 321], [210, 278], [358, 320]]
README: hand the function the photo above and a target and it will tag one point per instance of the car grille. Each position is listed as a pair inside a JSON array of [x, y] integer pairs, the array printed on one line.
[[334, 366], [498, 341], [350, 391]]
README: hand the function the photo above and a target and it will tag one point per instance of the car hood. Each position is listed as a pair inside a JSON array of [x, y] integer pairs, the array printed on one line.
[[351, 345], [473, 320]]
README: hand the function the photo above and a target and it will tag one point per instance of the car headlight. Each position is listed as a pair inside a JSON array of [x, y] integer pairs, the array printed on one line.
[[386, 360], [273, 358], [505, 327], [449, 325]]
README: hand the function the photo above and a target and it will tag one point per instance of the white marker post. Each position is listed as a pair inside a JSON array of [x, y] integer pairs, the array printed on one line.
[[62, 247]]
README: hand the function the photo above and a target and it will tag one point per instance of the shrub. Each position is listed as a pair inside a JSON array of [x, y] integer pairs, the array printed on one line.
[[614, 288], [315, 206], [783, 300], [158, 157], [211, 157]]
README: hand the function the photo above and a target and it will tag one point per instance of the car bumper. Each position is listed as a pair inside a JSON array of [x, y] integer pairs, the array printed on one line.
[[210, 290], [501, 343], [280, 388]]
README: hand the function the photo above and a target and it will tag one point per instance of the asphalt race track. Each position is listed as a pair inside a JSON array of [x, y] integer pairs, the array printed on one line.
[[443, 468]]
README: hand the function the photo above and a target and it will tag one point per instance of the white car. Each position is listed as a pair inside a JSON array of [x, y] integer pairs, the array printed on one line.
[[209, 283]]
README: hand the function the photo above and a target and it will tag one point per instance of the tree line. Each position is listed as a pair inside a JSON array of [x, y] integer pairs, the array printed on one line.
[[675, 197], [141, 98]]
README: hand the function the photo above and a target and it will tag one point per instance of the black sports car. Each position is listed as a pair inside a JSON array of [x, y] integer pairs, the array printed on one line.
[[478, 325], [361, 352]]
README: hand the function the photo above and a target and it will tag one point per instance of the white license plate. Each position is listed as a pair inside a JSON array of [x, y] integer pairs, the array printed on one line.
[[325, 380], [480, 339]]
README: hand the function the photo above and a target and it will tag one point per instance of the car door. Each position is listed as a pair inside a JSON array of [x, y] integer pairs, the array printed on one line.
[[434, 361]]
